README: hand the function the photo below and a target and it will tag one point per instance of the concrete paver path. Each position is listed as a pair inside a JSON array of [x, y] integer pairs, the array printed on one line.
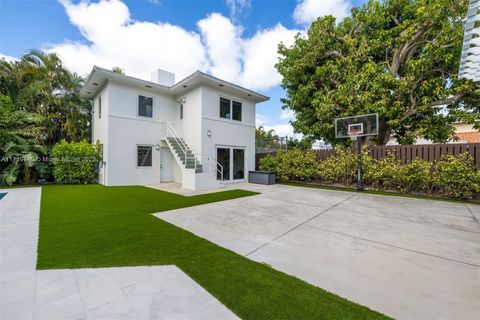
[[407, 258], [158, 292]]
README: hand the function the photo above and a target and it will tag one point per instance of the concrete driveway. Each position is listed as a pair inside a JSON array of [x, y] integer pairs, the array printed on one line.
[[407, 258]]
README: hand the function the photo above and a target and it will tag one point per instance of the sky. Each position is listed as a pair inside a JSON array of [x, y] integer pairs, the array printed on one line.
[[235, 40]]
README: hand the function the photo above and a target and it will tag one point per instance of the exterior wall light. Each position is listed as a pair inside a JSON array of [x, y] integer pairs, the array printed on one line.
[[184, 100], [157, 147], [209, 133]]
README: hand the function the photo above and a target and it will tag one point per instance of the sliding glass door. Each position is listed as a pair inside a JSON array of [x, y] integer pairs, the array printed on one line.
[[232, 163], [238, 164], [223, 159]]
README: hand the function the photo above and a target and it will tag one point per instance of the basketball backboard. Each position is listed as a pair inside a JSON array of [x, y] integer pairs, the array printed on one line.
[[357, 126]]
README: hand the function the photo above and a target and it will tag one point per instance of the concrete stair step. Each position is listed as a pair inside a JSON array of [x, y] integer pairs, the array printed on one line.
[[189, 160]]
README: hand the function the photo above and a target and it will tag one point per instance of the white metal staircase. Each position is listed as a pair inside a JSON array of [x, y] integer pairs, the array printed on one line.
[[199, 171]]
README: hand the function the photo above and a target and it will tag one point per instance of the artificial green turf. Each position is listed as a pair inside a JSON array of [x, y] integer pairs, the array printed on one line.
[[97, 226]]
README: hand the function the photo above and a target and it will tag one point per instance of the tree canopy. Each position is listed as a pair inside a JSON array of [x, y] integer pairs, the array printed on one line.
[[40, 84], [39, 106], [398, 58]]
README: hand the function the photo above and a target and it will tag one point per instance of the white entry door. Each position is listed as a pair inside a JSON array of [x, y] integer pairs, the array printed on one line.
[[166, 165]]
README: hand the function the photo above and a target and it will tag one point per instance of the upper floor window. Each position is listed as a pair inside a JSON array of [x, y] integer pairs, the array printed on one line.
[[236, 111], [225, 108], [181, 111], [230, 109], [100, 108], [145, 106]]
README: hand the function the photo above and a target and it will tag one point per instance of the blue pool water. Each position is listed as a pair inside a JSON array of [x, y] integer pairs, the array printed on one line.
[[2, 195]]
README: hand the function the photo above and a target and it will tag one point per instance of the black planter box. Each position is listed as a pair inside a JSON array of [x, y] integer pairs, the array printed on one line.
[[261, 177]]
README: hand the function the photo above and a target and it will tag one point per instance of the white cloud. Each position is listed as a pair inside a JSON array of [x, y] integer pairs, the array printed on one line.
[[287, 114], [248, 62], [260, 119], [8, 58], [260, 56], [137, 47], [113, 38], [308, 11], [224, 46], [282, 130], [238, 7]]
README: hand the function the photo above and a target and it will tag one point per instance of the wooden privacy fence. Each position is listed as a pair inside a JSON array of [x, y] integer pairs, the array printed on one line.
[[407, 153]]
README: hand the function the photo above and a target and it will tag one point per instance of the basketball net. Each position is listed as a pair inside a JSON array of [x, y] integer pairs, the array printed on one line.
[[353, 134]]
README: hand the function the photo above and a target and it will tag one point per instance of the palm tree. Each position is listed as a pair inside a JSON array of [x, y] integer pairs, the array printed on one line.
[[39, 86], [39, 83]]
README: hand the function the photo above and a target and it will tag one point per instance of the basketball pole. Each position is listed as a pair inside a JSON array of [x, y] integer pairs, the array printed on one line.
[[359, 165]]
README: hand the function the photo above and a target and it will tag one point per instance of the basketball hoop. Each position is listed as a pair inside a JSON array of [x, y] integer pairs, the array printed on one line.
[[354, 130], [354, 127], [353, 134]]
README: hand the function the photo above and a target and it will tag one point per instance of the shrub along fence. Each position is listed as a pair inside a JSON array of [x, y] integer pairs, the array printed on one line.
[[452, 176], [407, 153]]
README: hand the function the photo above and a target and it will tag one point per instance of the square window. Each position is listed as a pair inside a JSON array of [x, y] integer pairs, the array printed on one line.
[[144, 156], [224, 108], [236, 111], [145, 106]]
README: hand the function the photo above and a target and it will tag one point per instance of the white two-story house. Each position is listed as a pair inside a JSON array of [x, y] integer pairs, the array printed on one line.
[[199, 132]]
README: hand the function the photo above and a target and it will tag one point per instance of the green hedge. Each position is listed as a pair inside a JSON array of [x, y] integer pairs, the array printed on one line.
[[452, 176], [75, 162]]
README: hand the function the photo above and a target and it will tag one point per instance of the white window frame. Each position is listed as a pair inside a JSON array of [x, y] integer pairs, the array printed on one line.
[[231, 108], [244, 148], [138, 105], [136, 156]]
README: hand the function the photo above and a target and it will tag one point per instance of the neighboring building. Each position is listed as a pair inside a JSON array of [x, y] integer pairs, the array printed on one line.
[[466, 133], [470, 59], [199, 132], [470, 65]]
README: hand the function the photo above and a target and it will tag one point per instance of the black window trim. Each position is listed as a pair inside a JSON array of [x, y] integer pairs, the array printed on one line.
[[151, 155], [231, 108], [138, 105]]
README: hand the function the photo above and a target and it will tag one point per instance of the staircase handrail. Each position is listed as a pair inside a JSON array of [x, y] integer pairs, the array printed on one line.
[[211, 160], [184, 148], [177, 139], [220, 171]]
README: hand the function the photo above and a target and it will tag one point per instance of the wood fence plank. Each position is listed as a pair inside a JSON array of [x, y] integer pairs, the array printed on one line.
[[405, 153]]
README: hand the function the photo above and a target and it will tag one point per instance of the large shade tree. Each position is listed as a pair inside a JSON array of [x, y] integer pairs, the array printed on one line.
[[398, 58]]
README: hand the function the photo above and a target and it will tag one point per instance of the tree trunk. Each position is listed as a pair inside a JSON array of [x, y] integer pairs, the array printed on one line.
[[384, 132]]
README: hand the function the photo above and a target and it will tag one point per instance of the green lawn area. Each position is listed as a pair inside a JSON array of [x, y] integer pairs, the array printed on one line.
[[96, 226]]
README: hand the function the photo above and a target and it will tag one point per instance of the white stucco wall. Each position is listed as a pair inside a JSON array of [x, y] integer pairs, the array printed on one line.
[[227, 132], [126, 130], [121, 130], [100, 129], [191, 124]]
